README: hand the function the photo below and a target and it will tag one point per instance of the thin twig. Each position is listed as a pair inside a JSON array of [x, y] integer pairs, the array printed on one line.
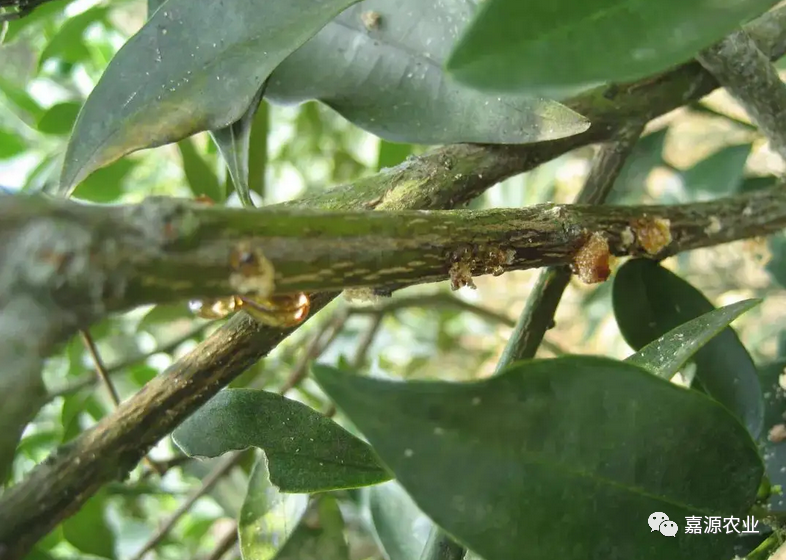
[[223, 468], [538, 314], [227, 542], [90, 379], [747, 73]]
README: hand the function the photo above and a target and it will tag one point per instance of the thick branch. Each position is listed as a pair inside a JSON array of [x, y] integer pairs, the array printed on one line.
[[129, 265], [743, 69], [443, 178]]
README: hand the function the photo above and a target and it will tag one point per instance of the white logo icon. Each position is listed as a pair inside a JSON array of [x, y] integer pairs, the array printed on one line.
[[659, 521]]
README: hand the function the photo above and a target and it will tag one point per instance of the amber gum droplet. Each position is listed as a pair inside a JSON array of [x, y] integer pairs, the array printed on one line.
[[214, 308], [277, 311]]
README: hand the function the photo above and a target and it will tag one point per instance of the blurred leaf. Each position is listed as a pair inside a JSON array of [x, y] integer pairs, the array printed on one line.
[[234, 143], [69, 415], [647, 154], [267, 517], [718, 174], [665, 356], [400, 527], [44, 12], [105, 185], [142, 373], [22, 379], [391, 154], [68, 44], [319, 535], [26, 107], [568, 437], [776, 266], [164, 313], [87, 529], [306, 451], [11, 144], [379, 64], [192, 67], [544, 46], [200, 177], [774, 452], [59, 119], [38, 443], [649, 301]]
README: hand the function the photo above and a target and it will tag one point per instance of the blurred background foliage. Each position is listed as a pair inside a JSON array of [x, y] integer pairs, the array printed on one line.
[[50, 60]]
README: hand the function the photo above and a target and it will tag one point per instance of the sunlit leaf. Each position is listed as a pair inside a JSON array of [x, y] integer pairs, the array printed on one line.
[[379, 64], [192, 67], [11, 144], [568, 438], [649, 301], [544, 45], [668, 354], [306, 451], [68, 44]]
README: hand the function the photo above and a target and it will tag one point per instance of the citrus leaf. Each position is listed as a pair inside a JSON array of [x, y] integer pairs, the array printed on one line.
[[719, 174], [543, 45], [267, 517], [591, 447], [67, 44], [199, 176], [774, 449], [400, 528], [190, 68], [59, 118], [668, 354], [306, 451], [11, 144], [379, 64], [88, 531], [649, 301], [233, 143], [319, 535], [105, 185]]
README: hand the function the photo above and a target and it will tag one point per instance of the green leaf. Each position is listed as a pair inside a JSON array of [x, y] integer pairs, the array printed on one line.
[[105, 185], [59, 118], [750, 184], [379, 64], [774, 452], [720, 174], [319, 535], [234, 143], [776, 266], [541, 45], [42, 13], [26, 107], [390, 154], [306, 451], [665, 356], [584, 447], [401, 529], [67, 44], [191, 68], [88, 531], [647, 154], [11, 144], [267, 517], [649, 301], [200, 177]]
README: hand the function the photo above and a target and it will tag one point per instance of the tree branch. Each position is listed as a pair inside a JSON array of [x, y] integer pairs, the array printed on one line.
[[443, 178], [747, 73]]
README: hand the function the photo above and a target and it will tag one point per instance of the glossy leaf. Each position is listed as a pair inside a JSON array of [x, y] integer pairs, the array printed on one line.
[[267, 517], [319, 535], [192, 67], [11, 144], [718, 174], [774, 450], [544, 45], [665, 356], [649, 301], [535, 453], [379, 64], [400, 528], [200, 177], [59, 119], [87, 530], [306, 451], [234, 142]]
